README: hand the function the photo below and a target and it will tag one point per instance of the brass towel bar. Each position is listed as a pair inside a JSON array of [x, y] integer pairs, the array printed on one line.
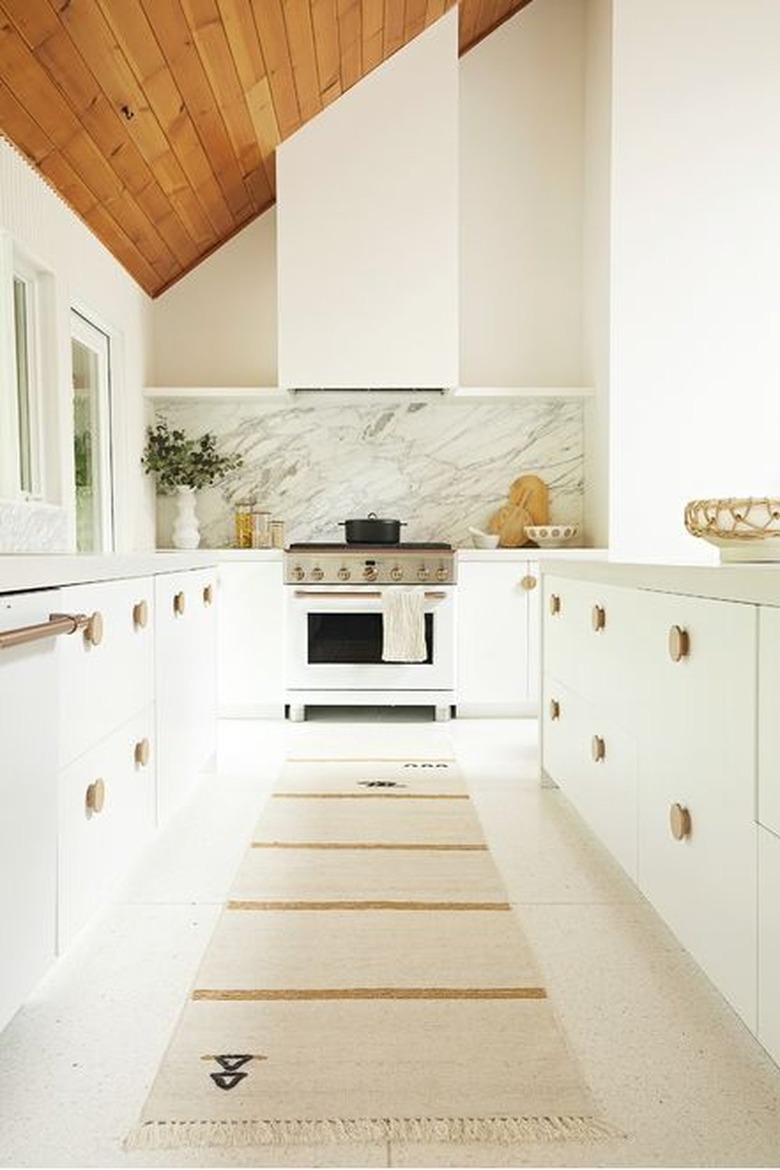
[[356, 593], [58, 623]]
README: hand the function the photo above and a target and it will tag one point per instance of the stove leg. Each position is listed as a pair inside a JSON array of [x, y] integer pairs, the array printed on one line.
[[296, 713], [442, 714]]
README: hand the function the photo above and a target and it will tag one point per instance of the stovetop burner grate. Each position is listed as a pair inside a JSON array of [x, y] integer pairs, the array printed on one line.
[[336, 546]]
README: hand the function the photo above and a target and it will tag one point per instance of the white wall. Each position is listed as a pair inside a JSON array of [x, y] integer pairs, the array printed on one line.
[[521, 102], [695, 264], [217, 325], [596, 264], [84, 274]]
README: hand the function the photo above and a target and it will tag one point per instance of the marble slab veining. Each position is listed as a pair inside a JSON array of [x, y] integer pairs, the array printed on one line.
[[439, 466], [32, 527]]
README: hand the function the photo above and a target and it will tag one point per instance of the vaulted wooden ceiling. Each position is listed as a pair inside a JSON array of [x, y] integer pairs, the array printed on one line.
[[157, 121]]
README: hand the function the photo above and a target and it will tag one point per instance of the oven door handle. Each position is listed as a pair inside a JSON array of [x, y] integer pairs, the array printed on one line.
[[356, 593]]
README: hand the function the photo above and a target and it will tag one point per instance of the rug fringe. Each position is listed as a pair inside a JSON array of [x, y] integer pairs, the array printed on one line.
[[496, 1130]]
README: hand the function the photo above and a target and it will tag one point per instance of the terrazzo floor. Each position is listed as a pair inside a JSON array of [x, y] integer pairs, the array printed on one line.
[[669, 1063]]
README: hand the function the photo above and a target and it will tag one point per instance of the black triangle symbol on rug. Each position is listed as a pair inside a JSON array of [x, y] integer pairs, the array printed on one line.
[[231, 1063], [227, 1080]]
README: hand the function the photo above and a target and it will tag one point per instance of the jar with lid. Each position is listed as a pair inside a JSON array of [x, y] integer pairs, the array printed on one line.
[[242, 521], [261, 528], [277, 533]]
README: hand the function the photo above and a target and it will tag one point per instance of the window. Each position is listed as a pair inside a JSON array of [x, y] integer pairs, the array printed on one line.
[[21, 438], [92, 448]]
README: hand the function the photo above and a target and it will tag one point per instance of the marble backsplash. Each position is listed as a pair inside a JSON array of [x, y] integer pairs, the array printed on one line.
[[440, 465], [32, 527]]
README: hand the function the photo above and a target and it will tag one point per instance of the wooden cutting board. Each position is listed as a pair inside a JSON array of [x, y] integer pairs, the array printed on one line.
[[531, 493], [509, 522]]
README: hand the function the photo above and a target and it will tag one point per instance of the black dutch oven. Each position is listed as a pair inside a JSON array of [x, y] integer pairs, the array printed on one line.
[[372, 530]]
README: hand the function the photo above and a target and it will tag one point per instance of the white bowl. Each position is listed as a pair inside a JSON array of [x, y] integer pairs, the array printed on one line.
[[485, 539], [551, 535]]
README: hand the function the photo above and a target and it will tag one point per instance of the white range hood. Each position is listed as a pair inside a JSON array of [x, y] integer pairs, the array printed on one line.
[[367, 229]]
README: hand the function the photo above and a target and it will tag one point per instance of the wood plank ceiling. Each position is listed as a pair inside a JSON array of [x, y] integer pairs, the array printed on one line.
[[157, 120]]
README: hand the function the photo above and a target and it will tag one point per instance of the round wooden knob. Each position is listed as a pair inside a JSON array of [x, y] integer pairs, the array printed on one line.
[[528, 581], [555, 603], [679, 643], [599, 617], [679, 821], [555, 709], [141, 752], [179, 603], [208, 594], [597, 749], [95, 797], [140, 614], [94, 631]]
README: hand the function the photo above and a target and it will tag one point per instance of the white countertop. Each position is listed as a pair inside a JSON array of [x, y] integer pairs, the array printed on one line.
[[527, 553], [755, 583], [48, 570]]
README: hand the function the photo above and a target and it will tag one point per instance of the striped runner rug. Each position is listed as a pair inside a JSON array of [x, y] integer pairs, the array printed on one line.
[[367, 981]]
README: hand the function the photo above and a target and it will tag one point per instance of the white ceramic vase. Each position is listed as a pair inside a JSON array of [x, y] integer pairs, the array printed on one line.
[[186, 533]]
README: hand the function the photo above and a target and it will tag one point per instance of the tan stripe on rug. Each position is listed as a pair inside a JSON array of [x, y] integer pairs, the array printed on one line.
[[403, 1022]]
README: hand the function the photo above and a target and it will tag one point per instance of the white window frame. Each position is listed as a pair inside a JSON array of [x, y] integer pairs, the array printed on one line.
[[16, 265], [87, 330]]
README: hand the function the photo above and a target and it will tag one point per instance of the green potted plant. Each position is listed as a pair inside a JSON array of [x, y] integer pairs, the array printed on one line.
[[181, 466]]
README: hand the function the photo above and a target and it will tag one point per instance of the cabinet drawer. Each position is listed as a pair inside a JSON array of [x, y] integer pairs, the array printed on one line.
[[768, 812], [769, 942], [493, 653], [590, 640], [106, 680], [106, 806], [594, 761]]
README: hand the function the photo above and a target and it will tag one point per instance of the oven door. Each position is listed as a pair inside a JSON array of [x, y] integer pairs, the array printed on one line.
[[334, 641]]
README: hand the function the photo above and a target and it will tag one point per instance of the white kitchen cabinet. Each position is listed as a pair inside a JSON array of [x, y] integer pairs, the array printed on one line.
[[769, 942], [250, 645], [769, 706], [106, 675], [672, 679], [107, 815], [699, 755], [185, 682], [497, 666], [29, 724]]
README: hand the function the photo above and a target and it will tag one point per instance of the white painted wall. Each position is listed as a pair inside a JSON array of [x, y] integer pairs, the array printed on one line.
[[596, 264], [368, 228], [84, 274], [217, 325], [695, 264], [521, 126]]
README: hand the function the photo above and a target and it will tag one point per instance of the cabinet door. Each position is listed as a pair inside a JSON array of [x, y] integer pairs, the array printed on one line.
[[107, 814], [108, 676], [492, 638], [769, 942], [768, 708], [594, 761], [250, 647], [28, 800], [185, 676], [699, 762]]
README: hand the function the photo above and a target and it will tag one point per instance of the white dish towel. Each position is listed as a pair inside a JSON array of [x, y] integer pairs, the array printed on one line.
[[403, 625]]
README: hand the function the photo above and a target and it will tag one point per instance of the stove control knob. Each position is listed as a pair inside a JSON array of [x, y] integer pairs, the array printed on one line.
[[344, 574], [441, 574], [396, 574], [317, 574], [423, 573], [297, 573], [370, 572]]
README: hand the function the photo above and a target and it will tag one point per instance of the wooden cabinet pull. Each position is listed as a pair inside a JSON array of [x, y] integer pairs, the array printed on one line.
[[555, 709], [599, 617], [179, 603], [555, 603], [141, 752], [95, 798], [598, 749], [679, 643], [140, 614], [679, 821], [93, 632], [208, 594], [528, 581]]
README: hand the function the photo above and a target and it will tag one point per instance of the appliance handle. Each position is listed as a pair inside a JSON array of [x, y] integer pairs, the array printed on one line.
[[356, 593]]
